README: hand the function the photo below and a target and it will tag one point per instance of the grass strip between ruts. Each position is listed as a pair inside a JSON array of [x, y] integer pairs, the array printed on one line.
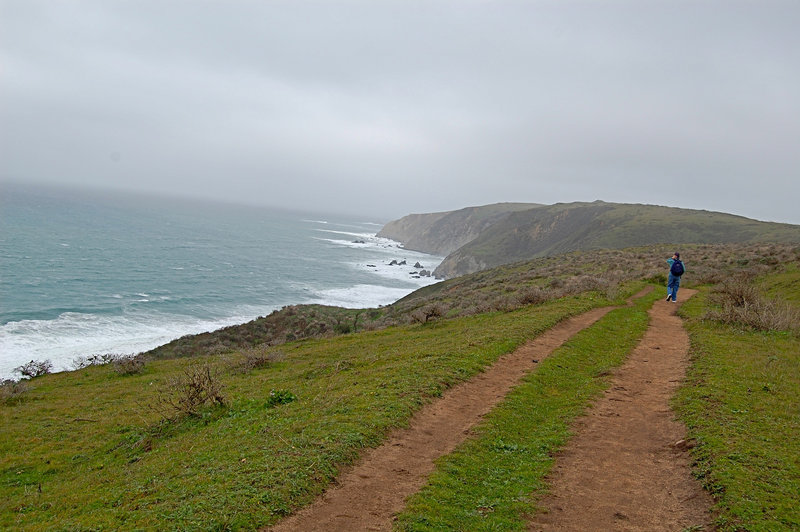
[[740, 403], [492, 481]]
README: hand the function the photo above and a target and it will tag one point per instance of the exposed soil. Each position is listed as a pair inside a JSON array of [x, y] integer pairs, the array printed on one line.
[[627, 467], [368, 495]]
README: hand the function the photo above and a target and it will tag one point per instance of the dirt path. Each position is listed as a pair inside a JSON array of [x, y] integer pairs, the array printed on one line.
[[373, 491], [623, 470]]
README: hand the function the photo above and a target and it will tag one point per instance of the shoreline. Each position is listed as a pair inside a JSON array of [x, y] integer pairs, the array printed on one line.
[[140, 337]]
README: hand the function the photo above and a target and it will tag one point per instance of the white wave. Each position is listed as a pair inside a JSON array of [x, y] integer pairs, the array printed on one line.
[[370, 236], [345, 243], [75, 334], [388, 258], [360, 296], [371, 240]]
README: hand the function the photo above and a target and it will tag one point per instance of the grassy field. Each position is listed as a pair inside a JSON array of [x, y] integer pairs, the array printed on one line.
[[741, 405], [85, 450], [96, 450], [492, 481]]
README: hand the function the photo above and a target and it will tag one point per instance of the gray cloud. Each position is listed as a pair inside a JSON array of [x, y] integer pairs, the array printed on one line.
[[386, 108]]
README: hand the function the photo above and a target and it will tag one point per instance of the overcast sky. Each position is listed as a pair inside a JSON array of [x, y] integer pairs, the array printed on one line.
[[385, 108]]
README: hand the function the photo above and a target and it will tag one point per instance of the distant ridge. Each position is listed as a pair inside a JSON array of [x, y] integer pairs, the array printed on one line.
[[477, 238]]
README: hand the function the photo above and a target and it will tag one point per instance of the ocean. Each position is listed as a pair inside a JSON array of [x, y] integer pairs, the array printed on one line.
[[85, 273]]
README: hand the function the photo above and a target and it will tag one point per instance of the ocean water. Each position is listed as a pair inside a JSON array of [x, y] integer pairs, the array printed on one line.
[[85, 273]]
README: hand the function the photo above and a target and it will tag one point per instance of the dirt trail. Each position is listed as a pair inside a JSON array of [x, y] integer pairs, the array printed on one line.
[[368, 495], [623, 470]]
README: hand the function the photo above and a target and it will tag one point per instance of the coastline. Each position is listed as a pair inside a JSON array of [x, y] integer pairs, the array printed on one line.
[[83, 278], [147, 337]]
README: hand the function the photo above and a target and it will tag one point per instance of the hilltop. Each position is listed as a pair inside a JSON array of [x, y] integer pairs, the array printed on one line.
[[498, 234]]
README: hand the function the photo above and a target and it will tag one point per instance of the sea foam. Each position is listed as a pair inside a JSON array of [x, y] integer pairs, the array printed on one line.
[[75, 334]]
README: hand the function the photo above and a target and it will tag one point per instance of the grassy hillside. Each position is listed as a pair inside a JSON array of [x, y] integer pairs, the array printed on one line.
[[562, 228], [91, 449], [740, 402], [502, 288], [96, 449]]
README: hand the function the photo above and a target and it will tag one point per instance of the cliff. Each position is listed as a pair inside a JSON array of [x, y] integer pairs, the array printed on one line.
[[477, 238], [441, 233], [551, 230]]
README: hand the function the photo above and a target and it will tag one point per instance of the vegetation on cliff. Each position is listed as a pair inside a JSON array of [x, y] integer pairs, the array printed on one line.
[[520, 233]]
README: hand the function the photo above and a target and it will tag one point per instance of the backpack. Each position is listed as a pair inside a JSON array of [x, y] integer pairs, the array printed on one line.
[[677, 268]]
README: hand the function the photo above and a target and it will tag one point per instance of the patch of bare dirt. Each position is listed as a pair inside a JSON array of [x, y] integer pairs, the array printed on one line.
[[628, 467], [367, 496]]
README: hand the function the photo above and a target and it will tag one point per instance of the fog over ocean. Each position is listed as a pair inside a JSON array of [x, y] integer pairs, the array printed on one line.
[[85, 273]]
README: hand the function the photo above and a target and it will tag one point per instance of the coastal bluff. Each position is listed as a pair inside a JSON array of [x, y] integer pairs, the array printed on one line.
[[442, 233], [477, 238]]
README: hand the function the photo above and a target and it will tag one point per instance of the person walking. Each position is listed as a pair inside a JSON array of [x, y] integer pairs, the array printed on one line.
[[676, 269]]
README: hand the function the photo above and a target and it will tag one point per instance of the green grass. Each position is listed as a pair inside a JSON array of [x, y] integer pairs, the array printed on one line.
[[493, 480], [784, 285], [81, 450], [741, 405]]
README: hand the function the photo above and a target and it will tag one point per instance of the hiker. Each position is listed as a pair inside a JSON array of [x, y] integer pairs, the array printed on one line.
[[676, 269]]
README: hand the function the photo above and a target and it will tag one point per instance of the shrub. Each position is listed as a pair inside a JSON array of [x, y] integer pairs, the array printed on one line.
[[532, 296], [129, 364], [742, 303], [34, 368], [187, 394], [256, 358], [11, 390], [584, 283], [738, 291], [426, 313]]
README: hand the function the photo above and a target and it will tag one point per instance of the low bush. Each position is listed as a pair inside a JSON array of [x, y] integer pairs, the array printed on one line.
[[427, 313], [740, 302], [532, 296], [256, 358], [128, 364], [188, 393], [11, 390]]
